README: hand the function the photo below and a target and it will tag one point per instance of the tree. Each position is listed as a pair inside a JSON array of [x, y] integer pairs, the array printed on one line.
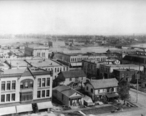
[[123, 90]]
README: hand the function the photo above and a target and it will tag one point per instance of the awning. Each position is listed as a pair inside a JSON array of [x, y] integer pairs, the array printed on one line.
[[24, 108], [44, 105], [112, 95], [7, 110]]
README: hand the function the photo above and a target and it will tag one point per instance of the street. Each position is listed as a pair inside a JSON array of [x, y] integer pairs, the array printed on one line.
[[137, 112]]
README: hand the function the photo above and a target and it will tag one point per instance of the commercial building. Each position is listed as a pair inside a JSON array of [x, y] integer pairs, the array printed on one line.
[[92, 67], [24, 90], [125, 74], [37, 51], [106, 70], [47, 64], [75, 59]]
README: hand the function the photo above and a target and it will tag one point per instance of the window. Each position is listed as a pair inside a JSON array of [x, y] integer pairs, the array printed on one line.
[[87, 88], [2, 98], [91, 90], [43, 82], [39, 82], [26, 84], [13, 97], [47, 93], [38, 54], [38, 94], [8, 85], [112, 89], [31, 84], [21, 85], [48, 81], [14, 85], [8, 97], [3, 86], [43, 93], [70, 79]]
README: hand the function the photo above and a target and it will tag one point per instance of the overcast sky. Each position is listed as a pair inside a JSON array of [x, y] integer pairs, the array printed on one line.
[[73, 17]]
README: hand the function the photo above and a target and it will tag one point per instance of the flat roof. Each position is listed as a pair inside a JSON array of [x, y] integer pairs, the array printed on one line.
[[118, 65], [15, 63], [36, 46], [43, 63]]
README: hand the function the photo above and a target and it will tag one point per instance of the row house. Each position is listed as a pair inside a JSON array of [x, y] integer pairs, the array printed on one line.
[[102, 89], [24, 90]]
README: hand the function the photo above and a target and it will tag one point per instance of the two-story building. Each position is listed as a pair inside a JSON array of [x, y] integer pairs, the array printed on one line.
[[73, 76], [102, 89], [24, 90]]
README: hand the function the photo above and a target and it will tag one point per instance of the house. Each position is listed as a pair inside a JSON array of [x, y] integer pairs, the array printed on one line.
[[67, 77], [68, 96], [126, 74], [102, 89], [24, 90]]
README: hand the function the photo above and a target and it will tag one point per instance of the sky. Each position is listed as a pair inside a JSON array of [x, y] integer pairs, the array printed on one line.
[[73, 17]]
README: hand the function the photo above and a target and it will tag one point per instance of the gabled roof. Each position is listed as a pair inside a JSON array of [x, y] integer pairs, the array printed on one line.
[[73, 74], [66, 90], [104, 83]]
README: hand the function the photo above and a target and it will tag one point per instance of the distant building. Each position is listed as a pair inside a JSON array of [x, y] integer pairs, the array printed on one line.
[[68, 96], [106, 70], [22, 89], [74, 60], [37, 51], [102, 89]]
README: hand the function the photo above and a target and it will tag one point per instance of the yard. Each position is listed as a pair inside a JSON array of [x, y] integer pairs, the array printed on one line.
[[100, 110]]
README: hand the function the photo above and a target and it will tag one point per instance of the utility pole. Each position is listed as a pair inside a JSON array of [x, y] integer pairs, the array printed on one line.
[[138, 76]]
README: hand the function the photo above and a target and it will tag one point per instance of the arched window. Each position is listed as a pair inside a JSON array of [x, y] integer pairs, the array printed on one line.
[[27, 83]]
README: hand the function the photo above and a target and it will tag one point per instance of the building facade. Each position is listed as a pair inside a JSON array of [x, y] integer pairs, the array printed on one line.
[[22, 88], [37, 51], [102, 89], [75, 59]]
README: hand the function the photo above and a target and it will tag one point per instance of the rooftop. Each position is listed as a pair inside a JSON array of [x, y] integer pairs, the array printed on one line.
[[104, 83], [74, 74], [35, 46], [67, 91], [43, 63], [22, 72], [120, 65]]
